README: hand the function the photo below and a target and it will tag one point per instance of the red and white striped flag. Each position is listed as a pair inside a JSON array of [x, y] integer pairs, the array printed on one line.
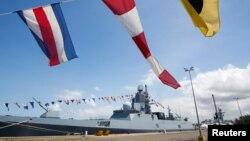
[[127, 13]]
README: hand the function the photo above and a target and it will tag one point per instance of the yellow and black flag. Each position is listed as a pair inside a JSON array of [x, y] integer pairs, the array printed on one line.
[[204, 14]]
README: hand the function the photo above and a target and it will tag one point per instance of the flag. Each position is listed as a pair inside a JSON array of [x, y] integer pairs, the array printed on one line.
[[204, 14], [113, 98], [7, 106], [78, 101], [26, 107], [32, 104], [49, 28], [46, 104], [127, 13], [66, 102], [17, 105]]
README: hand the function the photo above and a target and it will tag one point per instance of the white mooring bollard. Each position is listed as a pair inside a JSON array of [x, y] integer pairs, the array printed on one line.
[[86, 133]]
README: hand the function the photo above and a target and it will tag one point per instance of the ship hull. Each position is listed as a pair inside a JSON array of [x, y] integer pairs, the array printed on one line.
[[16, 131], [14, 126]]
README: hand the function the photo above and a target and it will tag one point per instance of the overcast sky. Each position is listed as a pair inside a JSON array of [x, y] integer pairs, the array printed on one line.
[[110, 64]]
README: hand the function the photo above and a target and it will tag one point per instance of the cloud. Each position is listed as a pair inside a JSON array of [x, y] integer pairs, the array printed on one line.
[[85, 110], [91, 102], [130, 88], [66, 95], [149, 79], [224, 83], [70, 94], [55, 107], [96, 88]]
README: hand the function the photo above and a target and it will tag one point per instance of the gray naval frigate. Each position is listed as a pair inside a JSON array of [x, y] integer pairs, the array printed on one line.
[[134, 118]]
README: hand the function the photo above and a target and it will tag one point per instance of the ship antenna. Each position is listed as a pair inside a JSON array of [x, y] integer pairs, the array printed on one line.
[[39, 103]]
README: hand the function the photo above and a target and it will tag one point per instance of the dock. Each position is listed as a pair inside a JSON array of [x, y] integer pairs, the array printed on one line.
[[168, 136]]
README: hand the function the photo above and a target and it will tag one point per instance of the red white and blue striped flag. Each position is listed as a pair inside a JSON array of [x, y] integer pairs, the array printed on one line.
[[49, 28], [127, 13]]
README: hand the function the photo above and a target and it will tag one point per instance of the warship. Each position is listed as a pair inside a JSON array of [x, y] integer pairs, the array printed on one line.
[[136, 117]]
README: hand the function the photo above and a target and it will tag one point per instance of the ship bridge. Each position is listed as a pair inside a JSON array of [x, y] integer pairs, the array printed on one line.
[[140, 104]]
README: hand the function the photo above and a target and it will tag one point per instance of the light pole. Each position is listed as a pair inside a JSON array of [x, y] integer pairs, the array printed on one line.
[[200, 137], [239, 109]]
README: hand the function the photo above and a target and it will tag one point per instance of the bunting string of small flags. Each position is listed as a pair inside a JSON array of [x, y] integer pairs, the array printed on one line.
[[105, 99]]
